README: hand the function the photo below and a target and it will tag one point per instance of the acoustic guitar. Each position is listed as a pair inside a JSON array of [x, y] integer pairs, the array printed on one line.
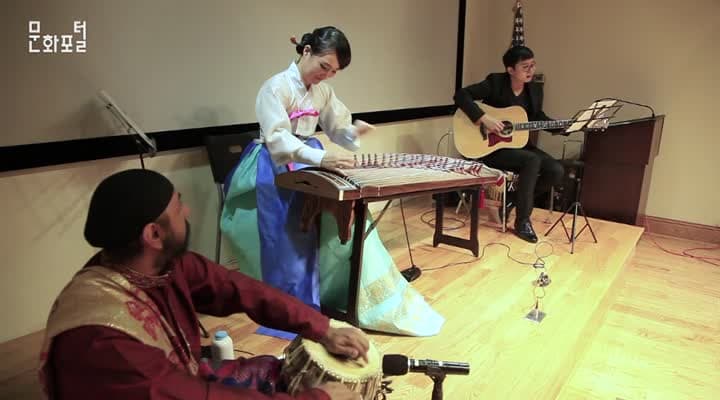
[[474, 141]]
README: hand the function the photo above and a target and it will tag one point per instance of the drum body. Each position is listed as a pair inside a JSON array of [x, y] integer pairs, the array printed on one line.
[[308, 364]]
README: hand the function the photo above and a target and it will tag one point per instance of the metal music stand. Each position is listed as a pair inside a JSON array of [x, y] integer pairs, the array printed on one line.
[[144, 143], [594, 118]]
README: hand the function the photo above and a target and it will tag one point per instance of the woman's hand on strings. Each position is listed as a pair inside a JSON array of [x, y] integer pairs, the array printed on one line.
[[362, 127], [337, 161]]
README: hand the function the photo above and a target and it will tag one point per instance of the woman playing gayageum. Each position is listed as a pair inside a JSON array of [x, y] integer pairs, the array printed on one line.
[[261, 220]]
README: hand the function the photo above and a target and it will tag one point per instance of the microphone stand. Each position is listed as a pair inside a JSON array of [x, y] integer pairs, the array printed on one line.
[[438, 376], [412, 273]]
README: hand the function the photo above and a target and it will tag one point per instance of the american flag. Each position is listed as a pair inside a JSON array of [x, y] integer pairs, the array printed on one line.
[[518, 34]]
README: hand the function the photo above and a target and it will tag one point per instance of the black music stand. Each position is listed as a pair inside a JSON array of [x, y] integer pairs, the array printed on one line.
[[577, 209], [593, 118]]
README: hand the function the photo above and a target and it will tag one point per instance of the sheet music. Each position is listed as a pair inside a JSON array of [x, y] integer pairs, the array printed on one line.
[[592, 116]]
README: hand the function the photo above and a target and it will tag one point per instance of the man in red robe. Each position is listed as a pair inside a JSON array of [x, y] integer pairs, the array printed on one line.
[[125, 327]]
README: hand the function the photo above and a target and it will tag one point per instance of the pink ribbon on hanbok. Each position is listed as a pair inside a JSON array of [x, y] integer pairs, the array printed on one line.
[[301, 113]]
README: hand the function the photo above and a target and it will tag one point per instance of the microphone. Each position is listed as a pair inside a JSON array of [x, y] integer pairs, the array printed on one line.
[[396, 364]]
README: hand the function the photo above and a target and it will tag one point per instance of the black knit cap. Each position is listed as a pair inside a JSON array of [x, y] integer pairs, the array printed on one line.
[[123, 204]]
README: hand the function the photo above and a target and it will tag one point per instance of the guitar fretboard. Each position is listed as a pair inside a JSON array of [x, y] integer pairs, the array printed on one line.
[[539, 125]]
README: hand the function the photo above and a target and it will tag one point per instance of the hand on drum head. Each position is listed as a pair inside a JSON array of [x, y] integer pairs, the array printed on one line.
[[338, 391], [350, 342]]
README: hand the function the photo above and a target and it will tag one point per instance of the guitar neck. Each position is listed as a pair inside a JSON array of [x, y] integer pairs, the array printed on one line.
[[541, 125]]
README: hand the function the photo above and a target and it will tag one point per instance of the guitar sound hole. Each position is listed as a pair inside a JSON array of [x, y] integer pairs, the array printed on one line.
[[507, 128]]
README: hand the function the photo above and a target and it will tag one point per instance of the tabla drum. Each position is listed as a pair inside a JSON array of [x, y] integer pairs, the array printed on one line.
[[308, 364]]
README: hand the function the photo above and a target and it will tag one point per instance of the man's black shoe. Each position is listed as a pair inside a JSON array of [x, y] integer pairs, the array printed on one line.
[[524, 230]]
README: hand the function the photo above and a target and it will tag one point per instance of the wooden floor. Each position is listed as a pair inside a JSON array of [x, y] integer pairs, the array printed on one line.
[[624, 319]]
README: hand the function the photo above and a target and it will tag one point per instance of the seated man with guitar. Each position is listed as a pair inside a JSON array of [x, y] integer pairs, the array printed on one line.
[[487, 133]]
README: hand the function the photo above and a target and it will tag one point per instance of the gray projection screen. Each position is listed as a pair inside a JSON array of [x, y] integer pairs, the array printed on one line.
[[174, 65]]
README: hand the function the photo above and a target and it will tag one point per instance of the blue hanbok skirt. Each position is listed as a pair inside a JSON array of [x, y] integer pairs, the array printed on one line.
[[262, 224]]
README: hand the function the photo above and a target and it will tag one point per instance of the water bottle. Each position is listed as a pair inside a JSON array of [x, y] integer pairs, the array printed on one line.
[[222, 347]]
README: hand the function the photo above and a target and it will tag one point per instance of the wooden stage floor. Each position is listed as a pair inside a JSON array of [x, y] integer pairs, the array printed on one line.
[[485, 303], [608, 309]]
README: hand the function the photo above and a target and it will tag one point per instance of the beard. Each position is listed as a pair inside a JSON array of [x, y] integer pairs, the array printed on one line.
[[173, 248]]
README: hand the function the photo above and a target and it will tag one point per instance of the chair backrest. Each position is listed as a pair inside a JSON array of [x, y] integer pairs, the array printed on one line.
[[224, 152]]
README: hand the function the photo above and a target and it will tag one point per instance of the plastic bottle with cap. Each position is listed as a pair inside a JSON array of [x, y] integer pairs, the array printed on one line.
[[222, 347]]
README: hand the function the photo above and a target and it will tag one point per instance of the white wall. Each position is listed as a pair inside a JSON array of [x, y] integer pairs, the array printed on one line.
[[659, 52]]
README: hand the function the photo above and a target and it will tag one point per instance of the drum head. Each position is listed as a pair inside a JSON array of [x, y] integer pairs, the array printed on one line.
[[344, 367]]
